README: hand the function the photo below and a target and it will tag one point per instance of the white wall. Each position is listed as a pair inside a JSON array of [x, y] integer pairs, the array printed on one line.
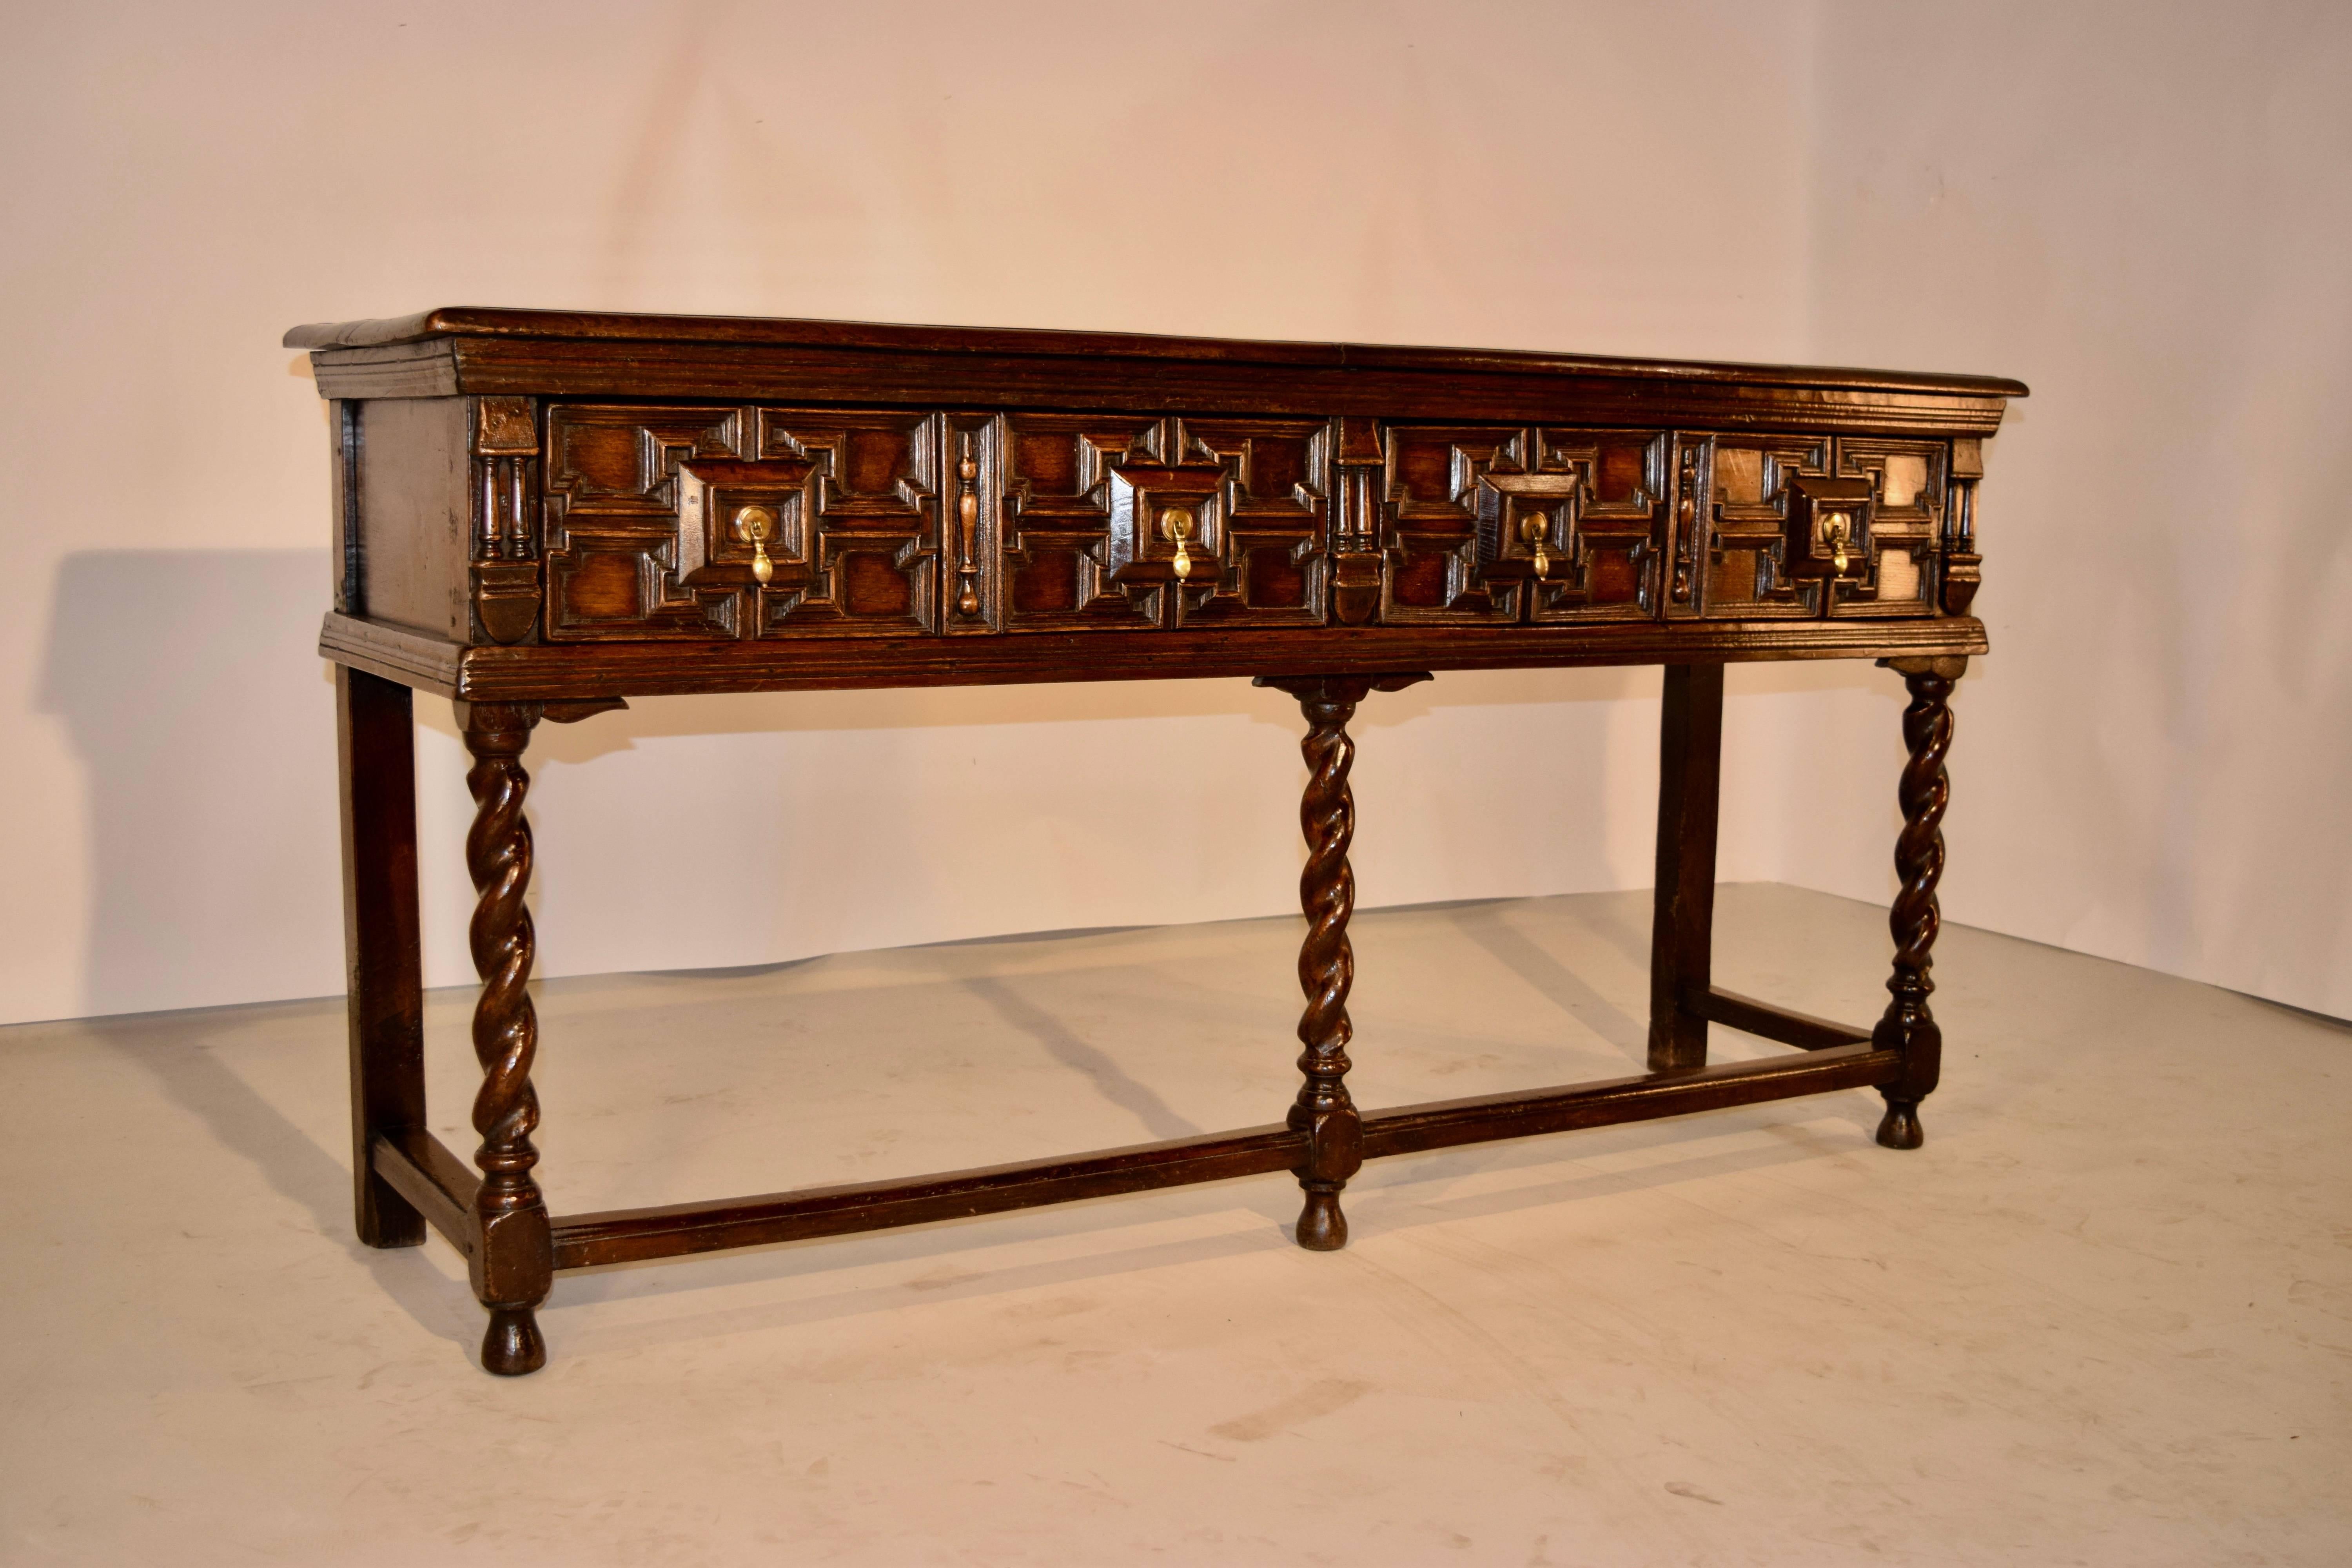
[[1720, 180], [2146, 213]]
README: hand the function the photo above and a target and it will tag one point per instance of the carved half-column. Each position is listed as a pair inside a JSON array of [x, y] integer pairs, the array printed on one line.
[[1963, 567], [1908, 1027], [513, 1259], [1327, 965], [506, 550]]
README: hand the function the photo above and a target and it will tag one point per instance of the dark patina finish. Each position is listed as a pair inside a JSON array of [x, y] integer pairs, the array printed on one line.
[[539, 514]]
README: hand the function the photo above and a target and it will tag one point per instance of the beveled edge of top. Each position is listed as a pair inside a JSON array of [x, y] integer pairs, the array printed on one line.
[[481, 321]]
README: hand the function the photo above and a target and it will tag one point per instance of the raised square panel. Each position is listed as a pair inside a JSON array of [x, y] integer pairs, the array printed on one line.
[[1605, 536], [647, 508], [1433, 531], [1261, 529], [1059, 529], [858, 552], [614, 557]]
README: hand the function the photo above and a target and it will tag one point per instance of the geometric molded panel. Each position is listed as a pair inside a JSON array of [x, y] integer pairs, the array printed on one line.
[[612, 524], [1087, 510], [1502, 524], [1617, 516], [1743, 497], [1053, 507], [1442, 526], [858, 552], [1907, 479], [640, 503]]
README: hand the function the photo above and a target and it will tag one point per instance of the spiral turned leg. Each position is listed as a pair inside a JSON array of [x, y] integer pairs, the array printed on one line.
[[1908, 1027], [513, 1259], [1327, 965]]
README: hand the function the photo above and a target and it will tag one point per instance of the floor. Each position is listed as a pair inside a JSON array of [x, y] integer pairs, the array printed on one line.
[[2103, 1317]]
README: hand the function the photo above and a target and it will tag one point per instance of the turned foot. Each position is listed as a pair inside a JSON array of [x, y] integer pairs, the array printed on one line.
[[1899, 1128], [512, 1346], [1321, 1227]]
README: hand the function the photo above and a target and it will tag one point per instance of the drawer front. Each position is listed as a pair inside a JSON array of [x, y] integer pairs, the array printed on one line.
[[708, 521], [646, 534], [1103, 521], [1515, 525], [1813, 526]]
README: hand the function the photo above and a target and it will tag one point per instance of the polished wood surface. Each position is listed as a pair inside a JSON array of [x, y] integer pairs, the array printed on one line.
[[540, 514], [376, 746]]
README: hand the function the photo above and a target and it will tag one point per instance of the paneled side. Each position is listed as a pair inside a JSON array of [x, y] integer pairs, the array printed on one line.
[[412, 511]]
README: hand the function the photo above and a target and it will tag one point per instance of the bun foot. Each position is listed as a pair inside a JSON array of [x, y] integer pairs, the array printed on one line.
[[512, 1346], [1899, 1128], [1321, 1227]]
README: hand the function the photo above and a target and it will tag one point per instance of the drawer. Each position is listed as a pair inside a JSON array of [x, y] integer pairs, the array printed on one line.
[[702, 521], [750, 521], [1814, 526], [1087, 522], [1520, 525]]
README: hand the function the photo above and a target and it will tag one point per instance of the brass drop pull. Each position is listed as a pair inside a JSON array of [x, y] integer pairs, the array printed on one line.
[[1837, 530], [1534, 529], [755, 525], [1178, 526]]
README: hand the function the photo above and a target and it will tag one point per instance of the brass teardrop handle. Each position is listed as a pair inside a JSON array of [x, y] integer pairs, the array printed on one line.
[[755, 525], [1837, 531], [1536, 529], [1178, 526]]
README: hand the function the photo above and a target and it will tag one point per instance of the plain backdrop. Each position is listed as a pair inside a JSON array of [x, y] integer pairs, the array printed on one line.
[[2144, 210]]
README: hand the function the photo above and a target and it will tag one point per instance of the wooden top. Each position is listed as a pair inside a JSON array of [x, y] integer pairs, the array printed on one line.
[[621, 332]]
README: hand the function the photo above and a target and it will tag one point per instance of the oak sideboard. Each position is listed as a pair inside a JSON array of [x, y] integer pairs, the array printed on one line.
[[541, 514]]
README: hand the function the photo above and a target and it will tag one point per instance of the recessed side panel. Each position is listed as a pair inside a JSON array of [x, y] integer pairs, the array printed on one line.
[[410, 561]]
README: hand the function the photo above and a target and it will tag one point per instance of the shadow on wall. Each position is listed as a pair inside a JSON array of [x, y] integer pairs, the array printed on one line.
[[189, 682]]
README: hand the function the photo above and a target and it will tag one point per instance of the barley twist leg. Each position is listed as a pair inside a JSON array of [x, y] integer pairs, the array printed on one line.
[[1909, 1026], [513, 1260]]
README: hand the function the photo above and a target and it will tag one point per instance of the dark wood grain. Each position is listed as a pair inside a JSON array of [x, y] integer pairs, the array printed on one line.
[[539, 514], [652, 670], [1909, 1026], [1532, 392], [1323, 1113], [1681, 925], [428, 1173], [1782, 1025], [626, 1236], [512, 1263], [376, 758], [632, 330], [1442, 1124], [629, 1236]]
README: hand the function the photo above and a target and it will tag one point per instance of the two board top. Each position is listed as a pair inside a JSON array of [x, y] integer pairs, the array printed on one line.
[[627, 333]]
